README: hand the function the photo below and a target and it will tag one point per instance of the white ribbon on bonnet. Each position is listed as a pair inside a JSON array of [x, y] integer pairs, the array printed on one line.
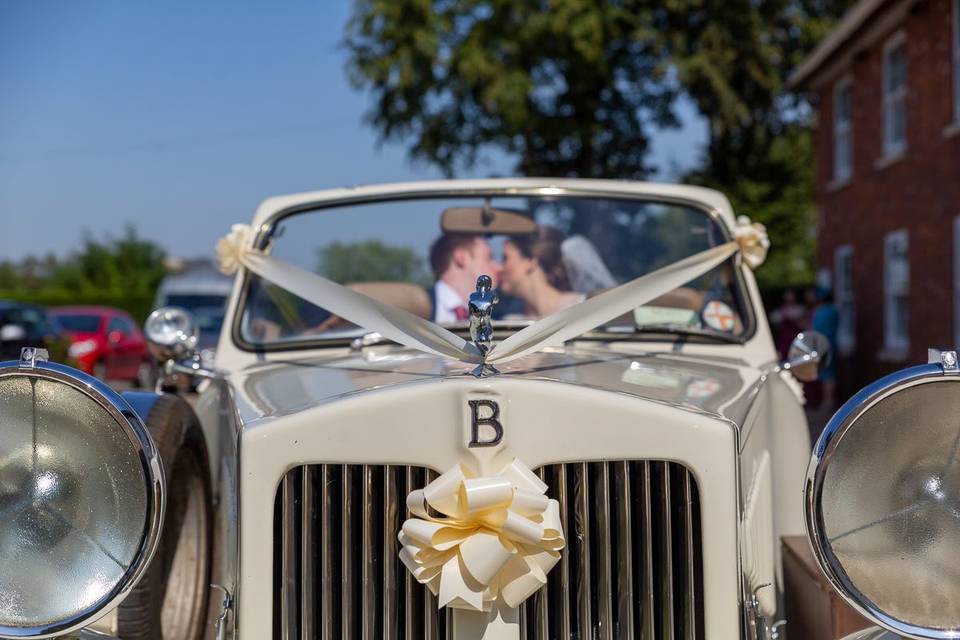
[[496, 538], [236, 250]]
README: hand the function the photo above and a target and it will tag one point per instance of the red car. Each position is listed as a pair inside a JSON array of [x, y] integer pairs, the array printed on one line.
[[106, 343]]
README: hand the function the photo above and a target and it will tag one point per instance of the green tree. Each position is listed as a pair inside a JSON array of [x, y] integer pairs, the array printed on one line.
[[370, 261], [122, 272], [570, 88], [574, 88], [733, 58]]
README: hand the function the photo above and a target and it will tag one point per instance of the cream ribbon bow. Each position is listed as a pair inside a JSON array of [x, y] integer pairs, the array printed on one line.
[[236, 250], [232, 247], [495, 538], [753, 240]]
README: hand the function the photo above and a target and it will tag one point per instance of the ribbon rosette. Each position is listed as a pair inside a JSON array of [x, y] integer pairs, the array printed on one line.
[[495, 537], [231, 247], [753, 240]]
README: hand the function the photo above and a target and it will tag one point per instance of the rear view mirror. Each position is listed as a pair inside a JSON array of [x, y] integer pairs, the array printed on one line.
[[486, 220]]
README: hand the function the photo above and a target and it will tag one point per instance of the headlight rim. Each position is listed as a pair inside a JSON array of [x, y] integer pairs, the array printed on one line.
[[826, 445], [149, 456]]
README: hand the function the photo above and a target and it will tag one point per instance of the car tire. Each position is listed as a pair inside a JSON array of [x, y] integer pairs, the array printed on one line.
[[171, 600], [100, 371]]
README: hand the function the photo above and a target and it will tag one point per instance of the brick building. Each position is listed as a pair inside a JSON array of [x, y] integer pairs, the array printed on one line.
[[885, 85]]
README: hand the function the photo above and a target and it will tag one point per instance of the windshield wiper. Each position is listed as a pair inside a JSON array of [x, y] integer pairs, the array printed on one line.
[[685, 330]]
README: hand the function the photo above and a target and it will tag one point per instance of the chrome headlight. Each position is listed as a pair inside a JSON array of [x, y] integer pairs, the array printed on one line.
[[883, 502], [171, 333], [81, 499]]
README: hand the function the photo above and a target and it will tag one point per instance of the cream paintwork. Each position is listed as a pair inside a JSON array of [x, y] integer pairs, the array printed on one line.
[[589, 401], [423, 423]]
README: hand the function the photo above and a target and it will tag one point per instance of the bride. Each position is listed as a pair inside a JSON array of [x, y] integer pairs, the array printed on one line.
[[533, 271]]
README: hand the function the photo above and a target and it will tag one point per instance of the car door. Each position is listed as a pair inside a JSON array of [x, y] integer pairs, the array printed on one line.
[[121, 361]]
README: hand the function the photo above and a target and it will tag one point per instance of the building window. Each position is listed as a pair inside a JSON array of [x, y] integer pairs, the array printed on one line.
[[895, 96], [956, 60], [842, 131], [843, 295], [896, 290]]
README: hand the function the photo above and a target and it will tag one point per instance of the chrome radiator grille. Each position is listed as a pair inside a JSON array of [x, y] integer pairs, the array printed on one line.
[[337, 573], [337, 570], [632, 567]]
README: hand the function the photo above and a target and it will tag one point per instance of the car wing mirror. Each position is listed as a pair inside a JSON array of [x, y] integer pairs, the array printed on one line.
[[809, 354]]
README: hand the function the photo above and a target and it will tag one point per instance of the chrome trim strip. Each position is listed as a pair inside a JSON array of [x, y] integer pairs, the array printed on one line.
[[368, 588], [604, 570], [288, 553], [307, 546], [346, 559], [690, 607], [391, 524], [327, 618], [430, 615], [582, 534], [542, 602], [625, 544], [647, 605], [136, 431], [565, 518], [666, 554], [409, 631]]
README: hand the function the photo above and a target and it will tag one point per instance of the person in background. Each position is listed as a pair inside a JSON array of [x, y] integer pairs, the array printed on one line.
[[789, 319], [534, 272], [457, 260], [826, 320]]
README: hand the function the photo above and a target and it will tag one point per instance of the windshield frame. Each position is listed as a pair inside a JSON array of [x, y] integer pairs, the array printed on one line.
[[265, 230]]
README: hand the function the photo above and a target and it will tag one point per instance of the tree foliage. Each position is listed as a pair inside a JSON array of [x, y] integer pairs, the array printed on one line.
[[570, 88], [575, 88], [371, 261], [123, 272]]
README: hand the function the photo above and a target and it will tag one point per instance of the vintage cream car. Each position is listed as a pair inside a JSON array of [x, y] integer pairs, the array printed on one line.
[[576, 426]]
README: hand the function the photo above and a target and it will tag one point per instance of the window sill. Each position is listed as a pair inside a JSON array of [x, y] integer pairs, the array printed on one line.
[[839, 183], [889, 159], [951, 129], [894, 354]]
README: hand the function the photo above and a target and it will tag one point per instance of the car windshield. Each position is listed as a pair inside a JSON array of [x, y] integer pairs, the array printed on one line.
[[79, 322], [543, 254]]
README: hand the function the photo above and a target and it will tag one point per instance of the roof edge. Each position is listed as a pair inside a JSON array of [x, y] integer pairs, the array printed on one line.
[[851, 22]]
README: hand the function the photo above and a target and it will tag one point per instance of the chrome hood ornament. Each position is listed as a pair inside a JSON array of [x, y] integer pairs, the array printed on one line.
[[480, 307]]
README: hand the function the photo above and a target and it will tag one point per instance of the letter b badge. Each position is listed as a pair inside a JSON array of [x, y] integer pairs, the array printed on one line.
[[485, 413]]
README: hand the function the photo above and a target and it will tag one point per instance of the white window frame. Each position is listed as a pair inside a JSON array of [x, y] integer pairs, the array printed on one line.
[[845, 299], [843, 132], [956, 61], [893, 290], [895, 98]]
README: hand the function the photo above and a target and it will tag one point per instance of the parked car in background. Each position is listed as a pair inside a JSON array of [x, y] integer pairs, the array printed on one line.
[[106, 343], [198, 287], [23, 324]]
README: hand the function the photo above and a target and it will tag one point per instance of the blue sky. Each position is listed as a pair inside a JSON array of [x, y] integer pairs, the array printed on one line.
[[181, 117]]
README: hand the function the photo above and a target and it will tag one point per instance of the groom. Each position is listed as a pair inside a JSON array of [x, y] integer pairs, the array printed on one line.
[[457, 260]]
